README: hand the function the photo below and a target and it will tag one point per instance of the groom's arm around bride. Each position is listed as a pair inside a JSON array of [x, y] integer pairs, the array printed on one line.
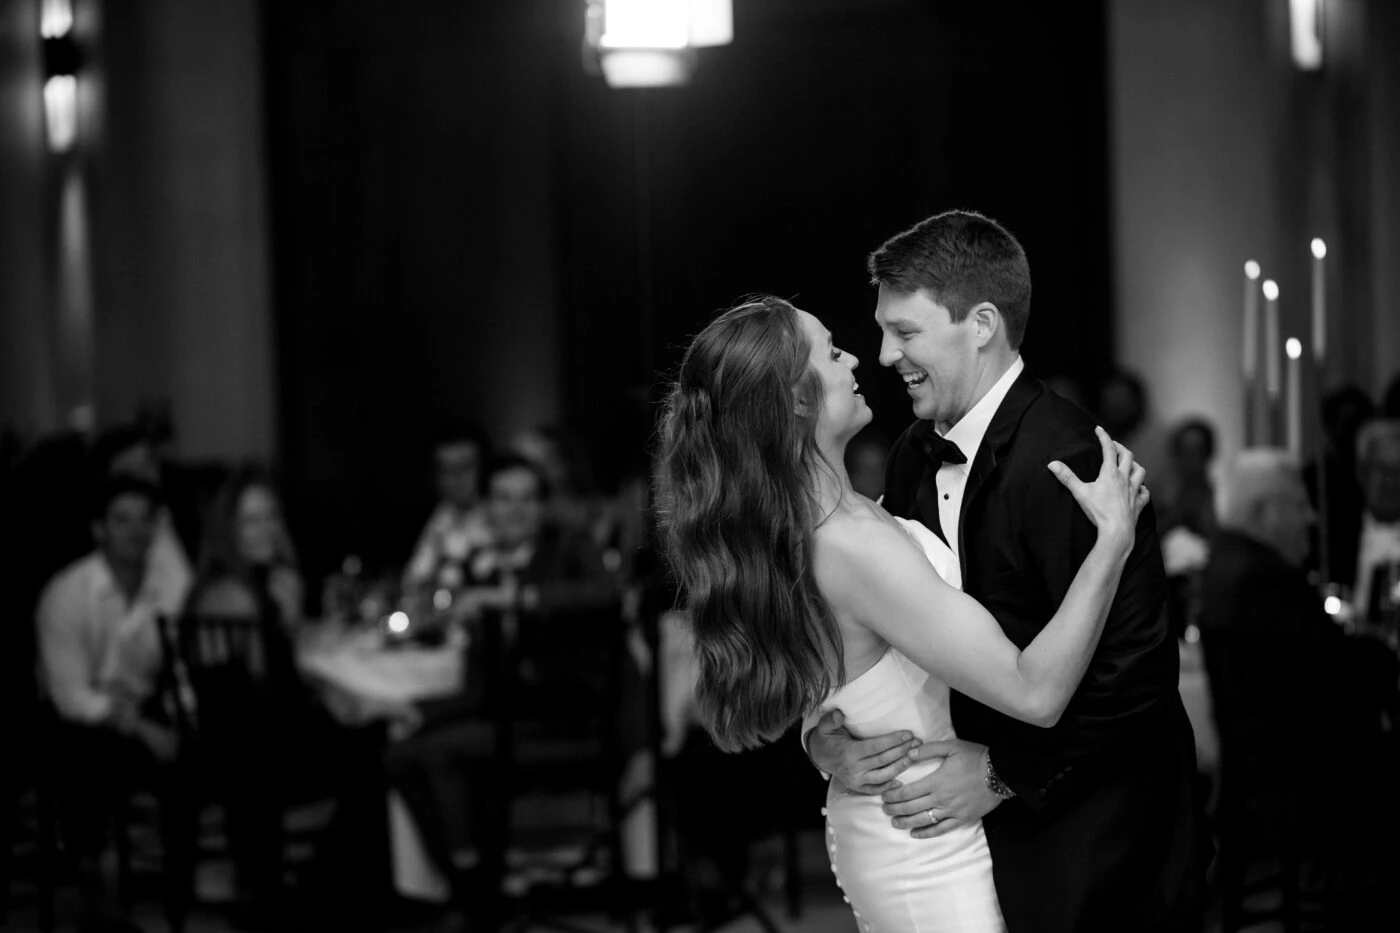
[[1103, 823]]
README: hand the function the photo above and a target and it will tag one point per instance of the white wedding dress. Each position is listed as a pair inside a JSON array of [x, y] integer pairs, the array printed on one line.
[[894, 882]]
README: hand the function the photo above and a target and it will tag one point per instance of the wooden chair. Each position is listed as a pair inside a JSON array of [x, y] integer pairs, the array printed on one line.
[[1273, 695], [29, 846], [722, 856], [557, 705], [33, 842], [235, 674]]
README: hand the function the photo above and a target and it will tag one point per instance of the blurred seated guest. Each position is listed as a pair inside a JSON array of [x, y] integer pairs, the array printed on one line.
[[457, 525], [623, 526], [865, 463], [248, 565], [1187, 517], [129, 450], [1255, 584], [529, 560], [269, 741], [1254, 579], [1344, 411], [1121, 402], [46, 526], [448, 750], [1122, 405], [564, 462], [1188, 492], [100, 665], [1378, 556], [1390, 399]]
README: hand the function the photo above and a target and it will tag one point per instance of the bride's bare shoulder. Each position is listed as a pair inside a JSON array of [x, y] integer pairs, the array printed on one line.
[[863, 536]]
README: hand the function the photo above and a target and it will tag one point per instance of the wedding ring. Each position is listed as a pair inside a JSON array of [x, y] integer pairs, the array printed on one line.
[[932, 820]]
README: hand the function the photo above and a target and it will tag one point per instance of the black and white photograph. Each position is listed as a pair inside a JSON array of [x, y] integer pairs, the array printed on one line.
[[712, 466]]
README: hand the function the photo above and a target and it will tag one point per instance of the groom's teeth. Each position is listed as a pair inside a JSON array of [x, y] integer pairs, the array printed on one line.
[[913, 379]]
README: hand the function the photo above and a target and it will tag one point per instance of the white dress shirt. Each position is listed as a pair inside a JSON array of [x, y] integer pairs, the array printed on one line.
[[952, 477], [1380, 543], [448, 538], [951, 481], [94, 645]]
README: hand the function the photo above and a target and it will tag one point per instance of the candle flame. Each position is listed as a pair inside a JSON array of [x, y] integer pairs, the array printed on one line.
[[1271, 289], [1294, 348], [1251, 269], [1319, 248]]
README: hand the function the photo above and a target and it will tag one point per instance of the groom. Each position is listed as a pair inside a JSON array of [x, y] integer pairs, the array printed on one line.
[[1093, 823]]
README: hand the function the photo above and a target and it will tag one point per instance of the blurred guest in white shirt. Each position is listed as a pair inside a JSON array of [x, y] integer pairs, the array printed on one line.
[[129, 450], [457, 525], [1378, 552], [101, 660]]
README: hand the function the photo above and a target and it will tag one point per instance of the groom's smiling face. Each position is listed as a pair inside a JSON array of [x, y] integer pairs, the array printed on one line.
[[935, 356]]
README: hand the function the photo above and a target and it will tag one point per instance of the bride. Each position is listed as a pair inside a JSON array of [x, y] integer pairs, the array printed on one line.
[[806, 595]]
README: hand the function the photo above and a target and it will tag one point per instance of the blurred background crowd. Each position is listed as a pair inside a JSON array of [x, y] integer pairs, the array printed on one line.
[[331, 341]]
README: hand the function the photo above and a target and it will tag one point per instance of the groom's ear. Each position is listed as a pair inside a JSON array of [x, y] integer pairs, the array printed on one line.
[[986, 321]]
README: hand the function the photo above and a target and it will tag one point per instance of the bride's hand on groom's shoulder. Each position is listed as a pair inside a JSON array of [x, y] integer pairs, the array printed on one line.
[[863, 766], [954, 795], [1116, 496]]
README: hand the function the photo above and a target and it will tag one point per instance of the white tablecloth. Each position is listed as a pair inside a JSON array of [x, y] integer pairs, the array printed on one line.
[[363, 679]]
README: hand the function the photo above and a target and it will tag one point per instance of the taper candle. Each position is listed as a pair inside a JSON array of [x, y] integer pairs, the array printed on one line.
[[1319, 302], [1294, 421], [1250, 363], [1269, 433]]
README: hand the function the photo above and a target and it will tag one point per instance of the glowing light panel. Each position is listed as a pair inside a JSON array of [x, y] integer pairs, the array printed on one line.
[[61, 111], [1305, 33]]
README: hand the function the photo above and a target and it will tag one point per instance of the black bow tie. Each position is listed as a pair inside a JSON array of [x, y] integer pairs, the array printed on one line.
[[941, 450]]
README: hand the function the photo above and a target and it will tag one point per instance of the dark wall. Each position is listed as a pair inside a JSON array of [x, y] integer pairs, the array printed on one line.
[[465, 220], [31, 399], [822, 130]]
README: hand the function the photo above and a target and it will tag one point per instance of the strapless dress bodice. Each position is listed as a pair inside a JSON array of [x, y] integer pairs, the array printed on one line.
[[894, 882]]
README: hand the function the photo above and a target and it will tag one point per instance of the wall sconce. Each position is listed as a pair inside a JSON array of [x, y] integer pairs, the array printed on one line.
[[652, 43], [1305, 33], [62, 59]]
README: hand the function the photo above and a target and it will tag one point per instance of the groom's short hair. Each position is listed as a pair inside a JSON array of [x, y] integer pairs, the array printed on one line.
[[960, 258]]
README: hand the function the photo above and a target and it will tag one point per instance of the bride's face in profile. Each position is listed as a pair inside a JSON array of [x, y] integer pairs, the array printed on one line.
[[844, 411]]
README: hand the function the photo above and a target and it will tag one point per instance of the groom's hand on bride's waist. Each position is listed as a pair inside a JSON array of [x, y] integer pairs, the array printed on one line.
[[954, 795], [865, 766]]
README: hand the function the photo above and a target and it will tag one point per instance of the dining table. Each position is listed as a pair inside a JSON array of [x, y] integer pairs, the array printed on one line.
[[368, 673], [364, 674]]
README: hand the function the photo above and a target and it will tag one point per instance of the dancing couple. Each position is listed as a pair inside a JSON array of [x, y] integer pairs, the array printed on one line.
[[980, 659]]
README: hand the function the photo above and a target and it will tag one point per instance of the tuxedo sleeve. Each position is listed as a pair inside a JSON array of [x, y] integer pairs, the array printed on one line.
[[1133, 675]]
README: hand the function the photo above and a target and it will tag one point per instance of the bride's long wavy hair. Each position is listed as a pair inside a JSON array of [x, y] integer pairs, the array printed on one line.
[[734, 481]]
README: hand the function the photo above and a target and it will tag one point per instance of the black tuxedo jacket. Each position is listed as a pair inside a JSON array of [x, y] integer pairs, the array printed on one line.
[[1106, 831]]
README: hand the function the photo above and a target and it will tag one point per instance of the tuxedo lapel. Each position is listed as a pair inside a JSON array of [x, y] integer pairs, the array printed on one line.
[[982, 466], [1005, 421]]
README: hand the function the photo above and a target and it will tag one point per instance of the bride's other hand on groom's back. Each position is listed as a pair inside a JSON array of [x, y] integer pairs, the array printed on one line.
[[862, 766]]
